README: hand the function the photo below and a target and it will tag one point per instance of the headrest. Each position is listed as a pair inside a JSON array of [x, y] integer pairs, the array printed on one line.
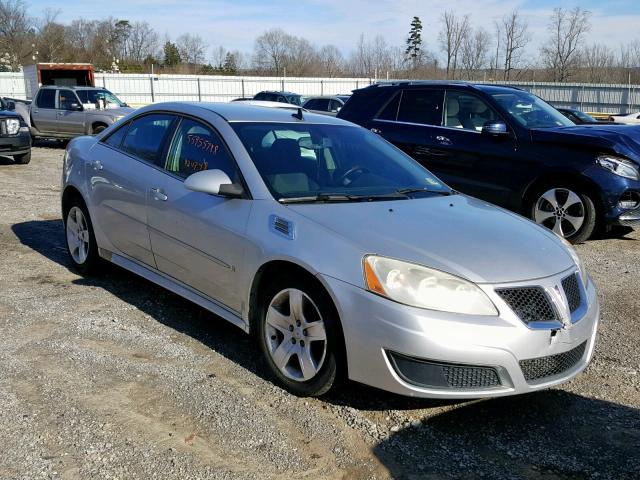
[[453, 107]]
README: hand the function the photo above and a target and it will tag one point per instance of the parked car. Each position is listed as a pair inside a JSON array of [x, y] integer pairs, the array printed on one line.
[[283, 97], [15, 140], [326, 105], [66, 112], [627, 119], [340, 254], [509, 147], [580, 118]]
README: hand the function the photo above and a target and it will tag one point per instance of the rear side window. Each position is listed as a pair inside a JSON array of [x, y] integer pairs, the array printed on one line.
[[47, 98], [322, 104], [334, 105], [197, 147], [421, 106], [390, 111], [115, 139], [146, 136]]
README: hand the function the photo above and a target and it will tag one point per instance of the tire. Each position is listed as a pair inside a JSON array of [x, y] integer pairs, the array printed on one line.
[[80, 239], [22, 159], [97, 129], [566, 210], [290, 312]]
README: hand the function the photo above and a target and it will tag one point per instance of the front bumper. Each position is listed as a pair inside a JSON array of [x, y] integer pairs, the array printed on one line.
[[15, 144], [376, 328], [630, 218]]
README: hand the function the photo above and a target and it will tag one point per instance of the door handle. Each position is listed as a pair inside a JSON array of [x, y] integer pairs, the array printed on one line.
[[158, 194], [60, 113], [97, 165], [376, 130], [443, 139]]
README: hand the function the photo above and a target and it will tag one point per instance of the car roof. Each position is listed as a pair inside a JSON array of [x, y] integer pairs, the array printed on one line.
[[74, 87], [245, 112], [442, 83], [279, 91]]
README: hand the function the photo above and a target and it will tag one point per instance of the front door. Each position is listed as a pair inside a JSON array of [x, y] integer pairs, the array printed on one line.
[[197, 238], [71, 117], [119, 172], [44, 113]]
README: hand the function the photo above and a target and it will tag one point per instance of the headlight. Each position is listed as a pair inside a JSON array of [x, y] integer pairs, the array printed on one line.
[[424, 287], [13, 125], [619, 166], [576, 259]]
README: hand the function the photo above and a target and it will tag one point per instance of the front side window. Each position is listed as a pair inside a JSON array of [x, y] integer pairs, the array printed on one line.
[[66, 100], [101, 98], [466, 111], [47, 98], [315, 159], [530, 111], [322, 104], [197, 147], [421, 106], [147, 135], [334, 105]]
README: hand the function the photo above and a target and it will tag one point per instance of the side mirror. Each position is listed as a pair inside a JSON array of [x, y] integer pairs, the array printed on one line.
[[495, 129], [11, 105], [213, 182], [76, 106]]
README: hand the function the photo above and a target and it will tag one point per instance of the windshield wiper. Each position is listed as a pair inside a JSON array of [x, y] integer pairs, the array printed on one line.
[[340, 197], [406, 191]]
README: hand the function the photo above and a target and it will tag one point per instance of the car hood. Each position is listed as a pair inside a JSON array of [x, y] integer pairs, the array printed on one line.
[[617, 138], [456, 234], [113, 112], [9, 114]]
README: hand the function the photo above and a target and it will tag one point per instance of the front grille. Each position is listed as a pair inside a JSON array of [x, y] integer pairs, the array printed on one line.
[[531, 304], [426, 373], [572, 291], [542, 367]]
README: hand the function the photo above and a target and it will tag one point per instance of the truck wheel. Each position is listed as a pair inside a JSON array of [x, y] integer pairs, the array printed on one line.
[[98, 128], [22, 159]]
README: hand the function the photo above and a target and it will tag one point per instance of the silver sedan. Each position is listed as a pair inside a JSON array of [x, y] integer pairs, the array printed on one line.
[[340, 254]]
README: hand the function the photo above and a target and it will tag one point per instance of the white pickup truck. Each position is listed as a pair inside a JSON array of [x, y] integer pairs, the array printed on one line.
[[67, 112]]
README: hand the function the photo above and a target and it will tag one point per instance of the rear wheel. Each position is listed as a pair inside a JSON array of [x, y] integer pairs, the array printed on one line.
[[98, 128], [567, 211], [296, 328], [81, 241], [22, 159]]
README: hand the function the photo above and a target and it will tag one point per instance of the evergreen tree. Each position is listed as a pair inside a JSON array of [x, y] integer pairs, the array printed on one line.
[[413, 51], [171, 54]]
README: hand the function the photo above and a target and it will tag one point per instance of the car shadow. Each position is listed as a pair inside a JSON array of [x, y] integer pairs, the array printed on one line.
[[6, 160], [615, 232], [551, 434]]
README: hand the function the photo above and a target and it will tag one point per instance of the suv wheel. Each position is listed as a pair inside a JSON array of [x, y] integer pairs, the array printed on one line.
[[568, 212], [98, 128], [81, 241], [296, 328], [22, 159]]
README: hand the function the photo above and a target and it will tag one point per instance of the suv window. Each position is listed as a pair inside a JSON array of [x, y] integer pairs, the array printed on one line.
[[466, 111], [322, 104], [421, 106], [47, 98], [147, 135], [334, 105], [196, 147], [390, 112], [66, 98]]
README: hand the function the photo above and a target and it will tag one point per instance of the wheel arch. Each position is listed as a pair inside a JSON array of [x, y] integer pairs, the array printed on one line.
[[98, 123], [275, 267], [68, 195]]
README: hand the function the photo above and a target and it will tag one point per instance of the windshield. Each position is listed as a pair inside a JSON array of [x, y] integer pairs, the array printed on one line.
[[99, 97], [584, 117], [298, 160], [530, 111]]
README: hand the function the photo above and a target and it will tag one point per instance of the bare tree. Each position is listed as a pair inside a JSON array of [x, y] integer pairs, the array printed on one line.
[[270, 50], [218, 57], [192, 48], [598, 61], [474, 51], [451, 37], [331, 61], [567, 29], [513, 37], [51, 38], [142, 43], [15, 32], [372, 58]]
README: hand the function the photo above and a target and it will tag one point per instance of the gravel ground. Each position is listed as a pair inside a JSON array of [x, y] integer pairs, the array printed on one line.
[[111, 377]]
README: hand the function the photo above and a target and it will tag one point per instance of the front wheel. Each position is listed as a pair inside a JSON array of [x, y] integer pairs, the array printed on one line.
[[568, 212], [22, 159], [81, 241], [297, 330]]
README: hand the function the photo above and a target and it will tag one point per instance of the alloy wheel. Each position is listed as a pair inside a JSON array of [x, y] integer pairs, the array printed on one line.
[[560, 210], [295, 335], [77, 235]]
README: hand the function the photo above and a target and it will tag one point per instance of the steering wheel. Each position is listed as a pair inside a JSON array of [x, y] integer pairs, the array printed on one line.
[[359, 170]]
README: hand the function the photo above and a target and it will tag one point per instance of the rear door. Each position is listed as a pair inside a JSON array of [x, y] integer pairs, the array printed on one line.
[[198, 238], [43, 111], [71, 116], [119, 172]]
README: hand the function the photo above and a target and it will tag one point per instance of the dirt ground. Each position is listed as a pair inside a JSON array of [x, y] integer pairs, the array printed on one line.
[[111, 377]]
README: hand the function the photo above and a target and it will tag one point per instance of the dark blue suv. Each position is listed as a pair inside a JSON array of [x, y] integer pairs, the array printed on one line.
[[511, 148]]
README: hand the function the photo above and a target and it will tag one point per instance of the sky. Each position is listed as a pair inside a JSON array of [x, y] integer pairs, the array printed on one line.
[[235, 24]]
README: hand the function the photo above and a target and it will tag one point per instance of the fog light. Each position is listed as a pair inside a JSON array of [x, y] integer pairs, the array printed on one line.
[[629, 200]]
